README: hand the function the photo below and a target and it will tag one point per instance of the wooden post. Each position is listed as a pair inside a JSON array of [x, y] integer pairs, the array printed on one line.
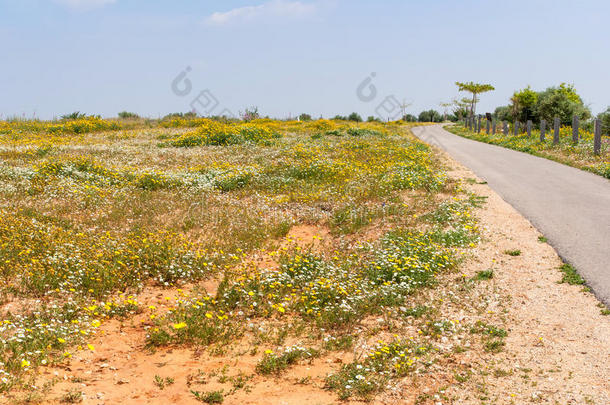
[[597, 140], [529, 128], [479, 125], [493, 126], [575, 129], [487, 127], [542, 130], [505, 128], [516, 131], [556, 130]]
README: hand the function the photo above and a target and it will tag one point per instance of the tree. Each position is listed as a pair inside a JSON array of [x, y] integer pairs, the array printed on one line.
[[475, 89], [372, 118], [354, 117], [304, 117], [445, 106], [524, 104], [430, 116], [460, 107], [562, 102], [503, 113], [409, 118], [605, 117]]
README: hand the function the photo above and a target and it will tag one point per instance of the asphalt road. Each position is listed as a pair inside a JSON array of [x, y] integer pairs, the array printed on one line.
[[569, 206]]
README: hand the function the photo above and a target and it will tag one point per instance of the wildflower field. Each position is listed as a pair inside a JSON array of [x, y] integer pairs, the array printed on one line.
[[578, 155], [263, 249]]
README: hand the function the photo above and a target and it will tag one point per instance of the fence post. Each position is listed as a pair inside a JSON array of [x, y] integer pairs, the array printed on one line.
[[479, 125], [529, 128], [575, 129], [556, 128], [516, 131], [505, 128], [487, 127], [542, 130], [597, 140], [493, 126]]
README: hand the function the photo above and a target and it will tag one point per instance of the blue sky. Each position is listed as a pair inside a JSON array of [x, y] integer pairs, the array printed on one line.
[[288, 56]]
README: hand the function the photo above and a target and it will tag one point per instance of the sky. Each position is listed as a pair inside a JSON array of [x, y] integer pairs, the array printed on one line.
[[286, 57]]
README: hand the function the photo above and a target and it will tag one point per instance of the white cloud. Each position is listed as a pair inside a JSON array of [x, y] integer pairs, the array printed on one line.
[[272, 9], [85, 3]]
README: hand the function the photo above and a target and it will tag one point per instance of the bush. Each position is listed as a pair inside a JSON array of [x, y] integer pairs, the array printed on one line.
[[126, 115], [77, 115], [304, 117]]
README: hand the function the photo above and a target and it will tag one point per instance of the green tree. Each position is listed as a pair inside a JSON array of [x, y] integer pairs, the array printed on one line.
[[503, 113], [475, 89], [430, 116], [354, 117], [304, 117], [409, 118], [461, 107], [523, 105], [605, 117], [562, 102]]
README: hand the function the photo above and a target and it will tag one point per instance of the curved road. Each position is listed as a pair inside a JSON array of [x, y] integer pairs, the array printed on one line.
[[569, 206]]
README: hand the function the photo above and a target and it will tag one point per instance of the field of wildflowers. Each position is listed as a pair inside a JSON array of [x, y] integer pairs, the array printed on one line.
[[566, 151], [95, 213]]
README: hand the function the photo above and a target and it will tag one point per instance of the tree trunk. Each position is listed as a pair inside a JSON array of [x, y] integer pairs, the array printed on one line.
[[474, 98]]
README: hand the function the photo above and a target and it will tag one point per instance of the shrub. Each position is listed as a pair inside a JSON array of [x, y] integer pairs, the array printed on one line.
[[128, 115]]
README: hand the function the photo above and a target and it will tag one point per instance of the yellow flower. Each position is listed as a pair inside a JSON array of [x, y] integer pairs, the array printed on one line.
[[60, 340], [180, 325], [25, 363], [90, 346]]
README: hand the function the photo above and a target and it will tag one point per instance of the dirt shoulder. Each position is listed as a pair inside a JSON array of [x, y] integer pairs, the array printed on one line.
[[558, 346]]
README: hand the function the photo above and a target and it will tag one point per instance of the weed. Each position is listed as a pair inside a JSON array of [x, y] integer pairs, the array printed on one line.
[[515, 252], [484, 275], [273, 363], [161, 382], [72, 397], [570, 275], [210, 397]]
